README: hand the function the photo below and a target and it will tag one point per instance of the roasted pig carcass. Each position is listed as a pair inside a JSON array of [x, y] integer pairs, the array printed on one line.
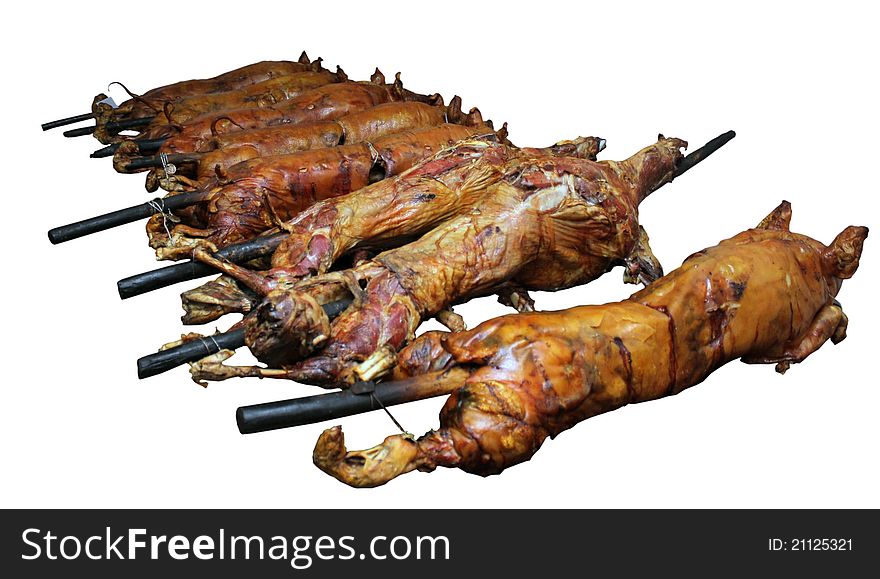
[[254, 195], [193, 170], [766, 296], [151, 102], [546, 223], [263, 94], [327, 102]]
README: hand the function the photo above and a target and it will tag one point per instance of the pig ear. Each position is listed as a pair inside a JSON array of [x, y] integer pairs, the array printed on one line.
[[453, 111], [779, 218], [474, 118], [842, 256]]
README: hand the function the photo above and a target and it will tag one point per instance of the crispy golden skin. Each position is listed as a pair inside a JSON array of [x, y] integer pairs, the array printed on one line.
[[765, 296]]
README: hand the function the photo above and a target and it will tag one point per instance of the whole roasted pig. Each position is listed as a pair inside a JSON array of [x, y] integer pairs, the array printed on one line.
[[152, 102], [195, 169], [766, 296]]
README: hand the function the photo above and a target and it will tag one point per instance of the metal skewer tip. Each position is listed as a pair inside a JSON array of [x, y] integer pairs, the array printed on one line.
[[695, 157], [145, 146], [67, 121], [80, 132], [165, 360], [123, 216], [116, 126], [361, 397], [107, 151]]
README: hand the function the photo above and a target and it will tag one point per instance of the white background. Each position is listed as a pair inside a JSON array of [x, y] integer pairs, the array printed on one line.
[[797, 83]]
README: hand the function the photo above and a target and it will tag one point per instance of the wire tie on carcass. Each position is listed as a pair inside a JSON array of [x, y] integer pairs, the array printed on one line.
[[169, 168], [388, 412], [158, 205], [192, 261], [374, 154], [207, 347]]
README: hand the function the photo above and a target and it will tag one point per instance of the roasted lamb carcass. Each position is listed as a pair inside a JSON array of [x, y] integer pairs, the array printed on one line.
[[385, 214], [766, 296], [254, 195], [151, 102], [445, 187], [548, 223]]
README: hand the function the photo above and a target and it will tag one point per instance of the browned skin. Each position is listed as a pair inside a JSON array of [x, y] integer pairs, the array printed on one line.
[[765, 296], [263, 94], [151, 102], [385, 213], [417, 201], [223, 151], [326, 102], [255, 194], [227, 150], [548, 223], [323, 103]]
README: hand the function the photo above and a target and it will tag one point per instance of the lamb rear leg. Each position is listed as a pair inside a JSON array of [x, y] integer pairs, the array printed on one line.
[[400, 453], [396, 455], [482, 432]]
